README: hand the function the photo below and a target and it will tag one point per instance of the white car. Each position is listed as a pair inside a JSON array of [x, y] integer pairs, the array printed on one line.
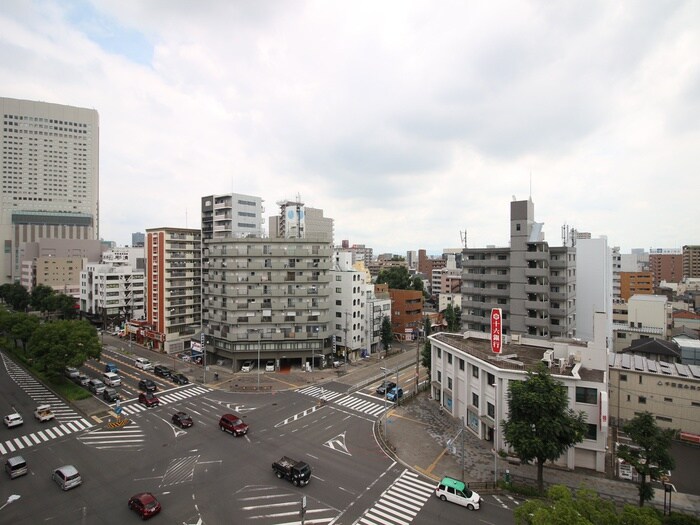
[[270, 366], [43, 413], [247, 366], [143, 363], [13, 420]]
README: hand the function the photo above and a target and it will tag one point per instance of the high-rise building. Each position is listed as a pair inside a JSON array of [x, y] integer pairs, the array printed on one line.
[[595, 261], [666, 265], [231, 215], [138, 239], [533, 284], [691, 261], [635, 283], [50, 176]]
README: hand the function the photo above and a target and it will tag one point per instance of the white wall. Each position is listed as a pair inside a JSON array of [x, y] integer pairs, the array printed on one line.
[[593, 285]]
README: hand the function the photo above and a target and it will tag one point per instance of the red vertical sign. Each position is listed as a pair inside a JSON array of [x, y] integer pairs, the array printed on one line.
[[496, 330]]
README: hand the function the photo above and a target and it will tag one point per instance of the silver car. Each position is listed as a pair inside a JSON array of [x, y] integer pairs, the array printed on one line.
[[67, 477]]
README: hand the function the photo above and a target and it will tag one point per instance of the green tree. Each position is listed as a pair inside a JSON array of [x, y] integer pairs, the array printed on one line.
[[22, 328], [15, 295], [40, 298], [58, 344], [387, 335], [397, 277], [417, 284], [64, 305], [541, 426], [426, 356], [650, 452]]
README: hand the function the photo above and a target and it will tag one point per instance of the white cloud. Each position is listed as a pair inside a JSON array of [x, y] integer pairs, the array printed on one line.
[[407, 122]]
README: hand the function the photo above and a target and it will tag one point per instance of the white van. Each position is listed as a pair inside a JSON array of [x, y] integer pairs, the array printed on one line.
[[143, 363], [111, 379], [16, 466], [450, 489]]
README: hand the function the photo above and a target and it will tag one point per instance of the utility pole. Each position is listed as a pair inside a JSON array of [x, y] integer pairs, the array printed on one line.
[[417, 360], [346, 336]]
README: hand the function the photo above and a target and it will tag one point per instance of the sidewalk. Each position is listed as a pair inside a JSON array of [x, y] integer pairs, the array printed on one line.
[[418, 433]]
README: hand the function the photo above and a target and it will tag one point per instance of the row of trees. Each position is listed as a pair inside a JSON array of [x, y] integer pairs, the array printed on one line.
[[42, 299]]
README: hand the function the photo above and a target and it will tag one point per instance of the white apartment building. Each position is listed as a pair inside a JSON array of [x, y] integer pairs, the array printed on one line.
[[50, 176], [471, 383], [647, 316], [231, 215], [594, 285]]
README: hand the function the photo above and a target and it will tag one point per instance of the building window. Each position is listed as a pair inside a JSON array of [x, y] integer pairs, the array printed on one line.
[[591, 431], [338, 278], [517, 227], [475, 399], [668, 399], [439, 376], [449, 359], [338, 302], [586, 395], [663, 418], [449, 383], [461, 365], [439, 353], [475, 372], [490, 379], [338, 290], [623, 377], [642, 400], [491, 410]]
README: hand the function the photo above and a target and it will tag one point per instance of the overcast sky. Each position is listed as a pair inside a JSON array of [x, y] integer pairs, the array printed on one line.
[[406, 122]]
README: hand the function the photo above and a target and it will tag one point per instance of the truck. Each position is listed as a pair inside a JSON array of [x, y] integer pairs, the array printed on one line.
[[43, 413], [298, 472]]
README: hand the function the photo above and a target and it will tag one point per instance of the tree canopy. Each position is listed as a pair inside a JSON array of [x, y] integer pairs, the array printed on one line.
[[387, 334], [541, 426], [650, 453], [398, 278], [426, 356], [58, 344], [15, 295], [453, 316]]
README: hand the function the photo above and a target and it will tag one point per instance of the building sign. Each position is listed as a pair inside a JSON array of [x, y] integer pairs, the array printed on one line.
[[496, 330], [603, 411]]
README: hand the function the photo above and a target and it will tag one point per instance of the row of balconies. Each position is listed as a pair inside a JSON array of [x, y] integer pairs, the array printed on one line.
[[276, 278], [487, 263], [259, 250], [486, 292]]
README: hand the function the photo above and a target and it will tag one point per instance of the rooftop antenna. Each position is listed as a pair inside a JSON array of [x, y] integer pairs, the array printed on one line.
[[463, 237], [530, 184], [185, 217]]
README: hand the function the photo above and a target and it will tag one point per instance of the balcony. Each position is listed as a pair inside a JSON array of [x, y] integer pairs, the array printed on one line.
[[537, 321], [536, 256], [537, 288], [537, 305], [485, 263], [536, 272]]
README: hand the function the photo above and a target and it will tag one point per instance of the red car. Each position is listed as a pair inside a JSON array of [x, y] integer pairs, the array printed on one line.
[[233, 424], [182, 420], [149, 399], [144, 504]]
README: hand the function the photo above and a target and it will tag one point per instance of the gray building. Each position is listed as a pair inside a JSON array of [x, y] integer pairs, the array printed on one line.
[[231, 215], [534, 284], [50, 176]]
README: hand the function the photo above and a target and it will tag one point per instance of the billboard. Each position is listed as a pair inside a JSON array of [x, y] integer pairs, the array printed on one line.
[[496, 330]]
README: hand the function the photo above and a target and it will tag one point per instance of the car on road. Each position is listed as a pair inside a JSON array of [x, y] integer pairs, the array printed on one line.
[[16, 466], [44, 413], [67, 477], [162, 371], [144, 504], [149, 399], [143, 363], [147, 385], [233, 424], [13, 420], [111, 395], [450, 489], [270, 366], [81, 379], [395, 393], [247, 366], [71, 372], [96, 386], [385, 387], [180, 379], [111, 367], [182, 420]]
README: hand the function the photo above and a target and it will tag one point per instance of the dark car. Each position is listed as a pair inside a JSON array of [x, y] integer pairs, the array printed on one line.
[[147, 385], [233, 424], [144, 504], [111, 367], [110, 395], [180, 379], [162, 371], [385, 387], [149, 399], [182, 420]]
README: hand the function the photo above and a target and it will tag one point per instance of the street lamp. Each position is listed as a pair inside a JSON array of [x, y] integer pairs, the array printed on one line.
[[12, 498]]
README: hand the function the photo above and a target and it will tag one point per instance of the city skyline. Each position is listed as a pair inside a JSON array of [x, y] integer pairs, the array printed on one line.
[[407, 123]]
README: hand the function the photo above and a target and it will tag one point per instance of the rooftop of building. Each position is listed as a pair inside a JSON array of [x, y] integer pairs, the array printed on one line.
[[638, 363]]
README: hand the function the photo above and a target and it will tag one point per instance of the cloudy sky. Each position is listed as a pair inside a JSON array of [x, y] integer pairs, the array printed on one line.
[[407, 122]]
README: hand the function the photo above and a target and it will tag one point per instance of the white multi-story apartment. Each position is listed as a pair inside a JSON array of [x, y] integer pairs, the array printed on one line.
[[173, 288], [231, 215], [471, 383], [648, 316], [594, 285], [50, 176]]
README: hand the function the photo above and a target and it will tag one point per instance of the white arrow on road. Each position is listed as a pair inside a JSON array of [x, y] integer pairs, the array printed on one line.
[[338, 444]]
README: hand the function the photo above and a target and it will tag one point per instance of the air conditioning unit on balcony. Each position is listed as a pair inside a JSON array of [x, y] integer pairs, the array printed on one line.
[[548, 358]]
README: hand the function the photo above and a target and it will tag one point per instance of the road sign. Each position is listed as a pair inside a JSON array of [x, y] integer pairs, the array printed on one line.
[[118, 410]]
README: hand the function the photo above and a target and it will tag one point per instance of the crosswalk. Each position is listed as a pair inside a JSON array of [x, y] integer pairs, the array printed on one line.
[[174, 396], [127, 437], [272, 506], [38, 392], [44, 435], [353, 402], [400, 503]]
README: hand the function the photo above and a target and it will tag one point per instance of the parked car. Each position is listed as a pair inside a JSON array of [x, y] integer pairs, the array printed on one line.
[[295, 471], [71, 372], [111, 367], [67, 477], [162, 371], [96, 386], [144, 504], [81, 379], [13, 420], [450, 489], [44, 413], [385, 387], [143, 363], [393, 394], [149, 399], [182, 420], [270, 366], [233, 424], [247, 366], [111, 395], [180, 379], [147, 385]]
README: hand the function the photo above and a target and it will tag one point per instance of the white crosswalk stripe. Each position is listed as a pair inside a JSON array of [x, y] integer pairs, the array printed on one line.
[[267, 504], [400, 503], [134, 407], [128, 437], [38, 392], [320, 393], [352, 402], [44, 435]]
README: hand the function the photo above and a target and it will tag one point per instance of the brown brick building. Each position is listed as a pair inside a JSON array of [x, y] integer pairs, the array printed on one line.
[[666, 267], [635, 283], [406, 313]]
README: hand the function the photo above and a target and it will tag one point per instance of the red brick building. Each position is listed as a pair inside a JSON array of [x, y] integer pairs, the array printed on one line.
[[406, 313], [666, 267]]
